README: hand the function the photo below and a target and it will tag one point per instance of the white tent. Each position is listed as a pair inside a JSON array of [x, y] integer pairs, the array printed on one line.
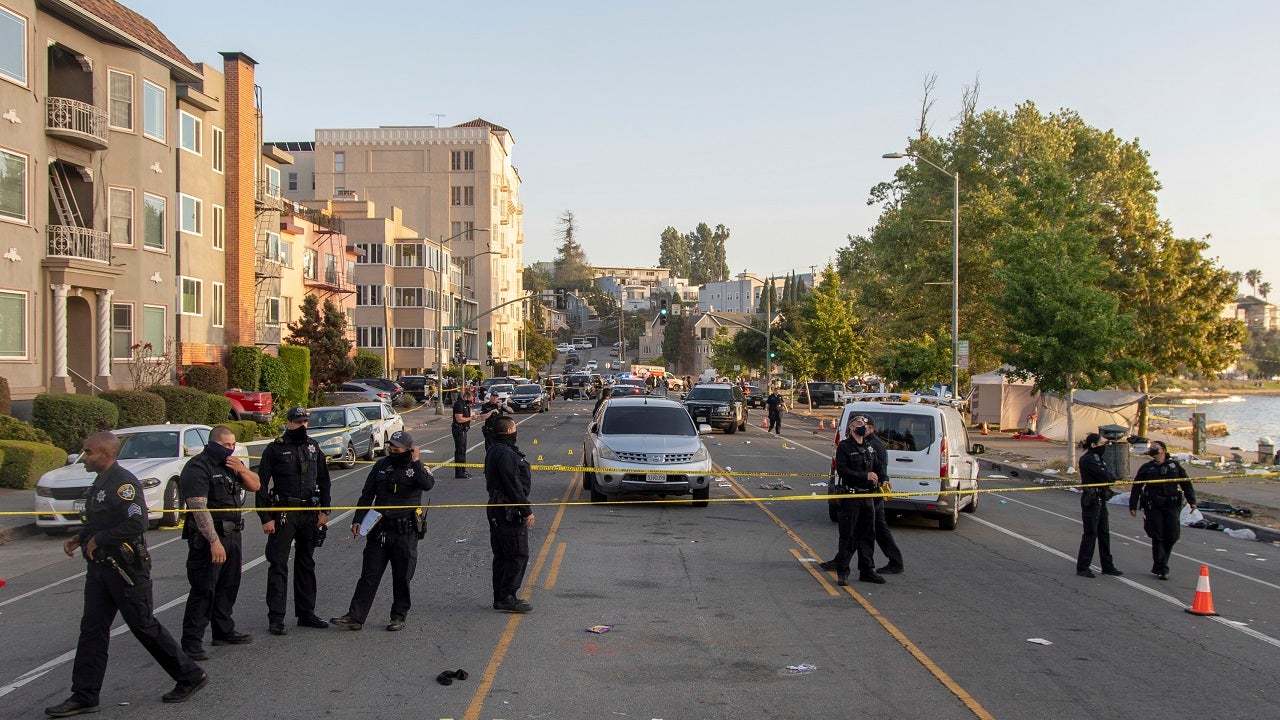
[[1092, 409], [1001, 400]]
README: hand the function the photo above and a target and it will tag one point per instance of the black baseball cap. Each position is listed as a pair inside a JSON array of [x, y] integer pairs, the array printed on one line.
[[400, 439], [298, 413]]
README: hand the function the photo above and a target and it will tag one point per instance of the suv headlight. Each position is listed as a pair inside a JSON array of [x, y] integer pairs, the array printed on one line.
[[608, 454], [724, 410], [43, 491], [702, 454]]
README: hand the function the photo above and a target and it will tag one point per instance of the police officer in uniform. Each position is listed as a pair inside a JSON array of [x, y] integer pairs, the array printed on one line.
[[1093, 509], [489, 414], [856, 462], [395, 483], [1156, 489], [118, 580], [213, 483], [294, 474], [461, 424], [508, 479]]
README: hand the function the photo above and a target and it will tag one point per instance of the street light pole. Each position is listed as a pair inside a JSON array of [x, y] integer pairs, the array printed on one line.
[[440, 271], [955, 264]]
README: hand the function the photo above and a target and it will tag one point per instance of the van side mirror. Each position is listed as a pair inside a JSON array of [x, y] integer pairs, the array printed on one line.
[[978, 449], [593, 428]]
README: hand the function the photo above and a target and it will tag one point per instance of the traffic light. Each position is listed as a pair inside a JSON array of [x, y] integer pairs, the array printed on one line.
[[488, 342], [560, 301], [772, 354], [662, 311]]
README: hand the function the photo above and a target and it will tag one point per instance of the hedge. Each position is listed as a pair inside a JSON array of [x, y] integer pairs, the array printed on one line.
[[6, 407], [245, 430], [297, 364], [208, 378], [368, 364], [12, 428], [217, 409], [137, 407], [184, 404], [275, 378], [69, 419], [24, 462], [245, 366]]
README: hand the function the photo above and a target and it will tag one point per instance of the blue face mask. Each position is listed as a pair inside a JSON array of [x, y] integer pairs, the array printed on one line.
[[218, 453]]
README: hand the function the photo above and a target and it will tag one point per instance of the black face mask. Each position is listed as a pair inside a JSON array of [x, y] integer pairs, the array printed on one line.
[[297, 435], [217, 453], [1098, 450], [401, 459], [509, 438], [860, 430]]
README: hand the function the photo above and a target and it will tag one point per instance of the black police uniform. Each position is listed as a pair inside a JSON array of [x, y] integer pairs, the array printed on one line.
[[1093, 513], [293, 474], [1161, 504], [773, 403], [884, 536], [213, 587], [394, 539], [487, 428], [856, 516], [459, 430], [507, 478], [116, 518]]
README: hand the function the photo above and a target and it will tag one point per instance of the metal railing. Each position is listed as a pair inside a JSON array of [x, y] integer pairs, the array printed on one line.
[[268, 196], [79, 242], [76, 118]]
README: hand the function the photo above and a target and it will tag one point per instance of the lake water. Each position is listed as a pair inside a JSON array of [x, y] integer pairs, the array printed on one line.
[[1248, 417]]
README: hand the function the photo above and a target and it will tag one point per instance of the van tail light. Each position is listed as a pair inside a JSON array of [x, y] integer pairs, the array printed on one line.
[[944, 468]]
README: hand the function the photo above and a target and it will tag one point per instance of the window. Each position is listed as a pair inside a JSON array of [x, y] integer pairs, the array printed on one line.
[[189, 131], [153, 221], [285, 312], [190, 214], [310, 259], [153, 110], [407, 337], [121, 331], [407, 254], [331, 269], [408, 297], [273, 246], [293, 181], [370, 295], [273, 181], [218, 309], [219, 227], [462, 229], [374, 253], [339, 162], [13, 186], [120, 100], [273, 311], [153, 327], [219, 149], [286, 253], [121, 202], [192, 296], [368, 336], [463, 195], [13, 325], [13, 46], [462, 160]]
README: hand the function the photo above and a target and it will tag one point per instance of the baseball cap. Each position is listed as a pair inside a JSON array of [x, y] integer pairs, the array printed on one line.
[[401, 439], [297, 413]]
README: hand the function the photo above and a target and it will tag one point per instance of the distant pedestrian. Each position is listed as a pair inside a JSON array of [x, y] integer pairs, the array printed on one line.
[[1093, 508], [461, 424], [774, 405], [884, 536], [507, 478], [1156, 488]]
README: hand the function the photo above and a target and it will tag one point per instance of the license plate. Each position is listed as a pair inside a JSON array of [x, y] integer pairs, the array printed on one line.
[[655, 478], [78, 506], [702, 419]]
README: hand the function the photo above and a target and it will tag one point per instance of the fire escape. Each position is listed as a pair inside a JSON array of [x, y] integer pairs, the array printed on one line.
[[268, 259]]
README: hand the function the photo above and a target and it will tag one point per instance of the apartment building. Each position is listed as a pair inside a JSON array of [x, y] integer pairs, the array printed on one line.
[[456, 187]]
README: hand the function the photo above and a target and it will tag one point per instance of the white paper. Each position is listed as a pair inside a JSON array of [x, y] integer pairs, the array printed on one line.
[[370, 518]]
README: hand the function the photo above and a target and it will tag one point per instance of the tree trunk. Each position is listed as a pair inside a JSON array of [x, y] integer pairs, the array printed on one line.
[[1144, 405], [1071, 422]]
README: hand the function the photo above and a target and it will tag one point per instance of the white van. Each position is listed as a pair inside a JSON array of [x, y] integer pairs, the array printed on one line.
[[929, 453]]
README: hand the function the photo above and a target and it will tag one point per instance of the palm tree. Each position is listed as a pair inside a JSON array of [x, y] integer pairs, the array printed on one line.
[[1253, 277], [1264, 289]]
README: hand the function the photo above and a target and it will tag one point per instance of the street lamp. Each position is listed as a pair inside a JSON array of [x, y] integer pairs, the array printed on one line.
[[768, 328], [440, 271], [955, 264]]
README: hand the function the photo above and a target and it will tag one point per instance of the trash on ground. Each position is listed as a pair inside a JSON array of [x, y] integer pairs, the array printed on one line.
[[998, 477], [1218, 508], [775, 486], [1120, 499], [1242, 533], [1039, 641], [459, 540], [821, 484], [599, 629], [801, 669], [1049, 471], [1004, 502]]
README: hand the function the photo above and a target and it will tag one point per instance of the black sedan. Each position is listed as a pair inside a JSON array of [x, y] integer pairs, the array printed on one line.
[[529, 397]]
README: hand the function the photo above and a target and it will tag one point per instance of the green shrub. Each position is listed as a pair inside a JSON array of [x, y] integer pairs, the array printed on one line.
[[217, 409], [275, 378], [245, 430], [24, 462], [6, 406], [2, 457], [297, 363], [271, 429], [137, 407], [208, 378], [184, 404], [12, 428], [69, 419], [368, 364], [245, 366]]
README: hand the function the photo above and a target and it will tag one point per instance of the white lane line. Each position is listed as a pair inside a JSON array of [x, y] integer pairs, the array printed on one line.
[[78, 575], [1138, 586], [1114, 534]]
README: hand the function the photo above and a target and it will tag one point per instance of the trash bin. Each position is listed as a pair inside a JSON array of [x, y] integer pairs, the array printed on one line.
[[1115, 454], [1266, 450]]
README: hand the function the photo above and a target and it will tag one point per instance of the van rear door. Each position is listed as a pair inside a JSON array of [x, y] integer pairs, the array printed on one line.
[[911, 435]]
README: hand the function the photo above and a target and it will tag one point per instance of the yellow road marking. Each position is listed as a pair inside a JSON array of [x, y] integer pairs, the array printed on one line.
[[554, 572], [816, 573]]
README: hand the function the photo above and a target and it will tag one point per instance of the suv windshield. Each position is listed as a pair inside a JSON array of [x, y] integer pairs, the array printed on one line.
[[528, 390], [149, 445], [647, 420], [721, 394]]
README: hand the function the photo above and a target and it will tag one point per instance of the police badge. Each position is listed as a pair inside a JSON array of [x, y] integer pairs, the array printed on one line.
[[126, 492]]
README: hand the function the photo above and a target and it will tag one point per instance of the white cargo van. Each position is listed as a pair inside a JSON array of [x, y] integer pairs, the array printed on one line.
[[929, 453]]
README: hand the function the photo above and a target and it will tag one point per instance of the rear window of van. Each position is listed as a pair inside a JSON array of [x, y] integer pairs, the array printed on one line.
[[904, 432]]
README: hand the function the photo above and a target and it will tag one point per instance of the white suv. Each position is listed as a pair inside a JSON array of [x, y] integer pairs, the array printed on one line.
[[929, 453], [646, 446]]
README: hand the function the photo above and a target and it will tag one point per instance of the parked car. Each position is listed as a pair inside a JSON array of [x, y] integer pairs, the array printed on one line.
[[755, 395], [385, 422], [929, 453], [350, 392], [582, 385], [582, 345], [502, 390], [156, 454], [528, 398], [343, 433], [719, 405], [627, 390], [564, 348], [255, 406], [822, 393], [592, 364], [420, 387], [387, 384], [648, 446]]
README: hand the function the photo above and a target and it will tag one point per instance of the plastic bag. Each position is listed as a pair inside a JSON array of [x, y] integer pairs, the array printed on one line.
[[1189, 517]]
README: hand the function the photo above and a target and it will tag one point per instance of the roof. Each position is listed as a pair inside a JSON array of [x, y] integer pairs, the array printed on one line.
[[132, 27], [481, 122], [296, 145]]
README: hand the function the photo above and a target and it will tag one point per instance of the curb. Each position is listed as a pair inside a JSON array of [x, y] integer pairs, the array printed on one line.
[[9, 533]]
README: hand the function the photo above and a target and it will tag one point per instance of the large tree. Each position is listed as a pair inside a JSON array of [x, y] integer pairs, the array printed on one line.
[[571, 268], [673, 252], [325, 333], [708, 257]]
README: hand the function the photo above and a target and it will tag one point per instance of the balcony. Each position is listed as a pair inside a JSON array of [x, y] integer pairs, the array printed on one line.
[[79, 242], [268, 198], [76, 122], [329, 279]]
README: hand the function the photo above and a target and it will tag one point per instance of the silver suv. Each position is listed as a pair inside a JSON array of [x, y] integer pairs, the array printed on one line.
[[648, 446]]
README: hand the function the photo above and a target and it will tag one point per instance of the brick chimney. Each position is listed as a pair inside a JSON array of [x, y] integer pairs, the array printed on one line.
[[242, 152]]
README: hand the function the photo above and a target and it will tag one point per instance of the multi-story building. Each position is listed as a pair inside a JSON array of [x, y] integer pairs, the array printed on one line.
[[1256, 313], [732, 296], [456, 187]]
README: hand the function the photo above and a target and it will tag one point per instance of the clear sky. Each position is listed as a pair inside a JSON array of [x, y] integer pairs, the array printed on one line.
[[770, 117]]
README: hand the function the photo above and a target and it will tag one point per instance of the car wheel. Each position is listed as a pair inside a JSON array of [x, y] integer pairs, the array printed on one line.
[[373, 451], [743, 425], [700, 497], [588, 478], [172, 503], [948, 522], [833, 511], [349, 457], [972, 507], [597, 496], [731, 428]]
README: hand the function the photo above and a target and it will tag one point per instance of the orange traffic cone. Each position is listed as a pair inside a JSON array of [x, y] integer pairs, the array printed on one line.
[[1203, 602], [822, 425], [984, 429], [764, 424]]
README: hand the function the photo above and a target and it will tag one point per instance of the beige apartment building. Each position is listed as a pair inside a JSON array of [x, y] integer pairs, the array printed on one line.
[[458, 190]]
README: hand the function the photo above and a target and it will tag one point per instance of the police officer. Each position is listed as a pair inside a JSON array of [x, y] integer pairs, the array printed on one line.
[[213, 484], [856, 463], [394, 488], [508, 479], [1093, 508], [1155, 488], [294, 474], [884, 536], [774, 404], [118, 580], [461, 424], [490, 411]]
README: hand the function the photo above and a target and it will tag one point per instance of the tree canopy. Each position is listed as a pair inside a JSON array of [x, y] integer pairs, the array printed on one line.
[[326, 336]]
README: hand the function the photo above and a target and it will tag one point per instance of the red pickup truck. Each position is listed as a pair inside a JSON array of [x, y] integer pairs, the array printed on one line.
[[255, 406]]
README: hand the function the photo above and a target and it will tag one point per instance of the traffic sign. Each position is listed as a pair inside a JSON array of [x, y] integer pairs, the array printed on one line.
[[452, 327]]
